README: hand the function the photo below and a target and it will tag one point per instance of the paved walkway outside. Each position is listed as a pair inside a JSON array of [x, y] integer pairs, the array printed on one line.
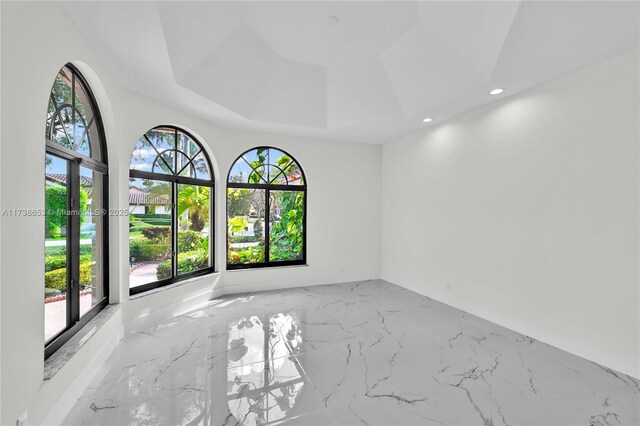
[[55, 314]]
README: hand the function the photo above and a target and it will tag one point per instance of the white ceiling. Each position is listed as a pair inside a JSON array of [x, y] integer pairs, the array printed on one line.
[[372, 76]]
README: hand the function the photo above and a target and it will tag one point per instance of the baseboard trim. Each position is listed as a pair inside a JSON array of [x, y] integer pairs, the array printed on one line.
[[522, 329]]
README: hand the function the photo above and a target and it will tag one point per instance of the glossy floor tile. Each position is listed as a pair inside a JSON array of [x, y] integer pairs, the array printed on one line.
[[358, 353]]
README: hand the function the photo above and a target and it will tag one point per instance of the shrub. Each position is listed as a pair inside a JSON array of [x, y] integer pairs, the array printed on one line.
[[192, 261], [158, 234], [62, 250], [242, 239], [56, 202], [50, 292], [143, 250], [187, 262], [189, 240], [164, 270], [253, 254], [60, 261], [57, 279]]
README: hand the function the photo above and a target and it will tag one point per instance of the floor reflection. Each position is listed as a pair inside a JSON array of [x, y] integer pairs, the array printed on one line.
[[263, 380]]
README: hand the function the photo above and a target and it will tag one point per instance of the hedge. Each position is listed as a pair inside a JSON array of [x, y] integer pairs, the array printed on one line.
[[143, 249], [60, 261], [158, 234], [58, 278], [187, 262], [62, 250], [233, 239], [56, 202], [50, 292], [154, 219]]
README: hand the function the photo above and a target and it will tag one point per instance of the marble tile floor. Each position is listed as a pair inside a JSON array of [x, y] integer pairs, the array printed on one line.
[[346, 354]]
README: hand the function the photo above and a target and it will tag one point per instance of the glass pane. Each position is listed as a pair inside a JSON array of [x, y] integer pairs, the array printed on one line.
[[201, 168], [55, 255], [187, 145], [82, 103], [286, 228], [149, 231], [61, 90], [81, 136], [184, 168], [257, 162], [245, 217], [143, 156], [193, 228], [165, 163], [240, 171], [82, 114], [291, 176], [62, 131], [70, 115], [92, 256], [278, 160]]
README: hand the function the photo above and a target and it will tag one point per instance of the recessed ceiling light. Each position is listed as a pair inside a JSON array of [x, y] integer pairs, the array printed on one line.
[[427, 120], [496, 91], [332, 20]]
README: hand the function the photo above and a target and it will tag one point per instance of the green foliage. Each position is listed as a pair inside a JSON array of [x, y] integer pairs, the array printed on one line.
[[286, 230], [50, 292], [152, 219], [164, 270], [286, 237], [145, 250], [251, 254], [187, 262], [238, 202], [234, 239], [189, 241], [56, 208], [237, 224], [283, 161], [60, 261], [195, 201], [258, 229], [158, 234], [138, 226], [62, 250], [56, 202], [57, 278], [54, 231]]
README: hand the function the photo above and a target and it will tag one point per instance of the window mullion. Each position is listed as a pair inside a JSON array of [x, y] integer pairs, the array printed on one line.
[[174, 229], [267, 224], [73, 238]]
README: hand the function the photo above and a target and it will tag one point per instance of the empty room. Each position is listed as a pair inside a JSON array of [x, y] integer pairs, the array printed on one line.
[[320, 213]]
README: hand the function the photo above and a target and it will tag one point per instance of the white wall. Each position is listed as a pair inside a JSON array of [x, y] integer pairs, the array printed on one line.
[[37, 39], [525, 212]]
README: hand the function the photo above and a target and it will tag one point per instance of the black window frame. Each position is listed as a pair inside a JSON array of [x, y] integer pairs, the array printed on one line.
[[267, 225], [176, 180], [75, 160]]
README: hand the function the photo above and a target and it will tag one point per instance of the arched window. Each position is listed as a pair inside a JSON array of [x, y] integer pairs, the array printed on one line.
[[170, 209], [266, 210], [76, 224]]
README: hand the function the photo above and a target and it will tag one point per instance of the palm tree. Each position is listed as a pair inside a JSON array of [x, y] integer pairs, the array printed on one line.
[[195, 201]]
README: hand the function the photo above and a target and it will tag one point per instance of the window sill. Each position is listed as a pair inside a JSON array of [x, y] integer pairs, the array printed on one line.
[[170, 286], [266, 268], [58, 360]]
